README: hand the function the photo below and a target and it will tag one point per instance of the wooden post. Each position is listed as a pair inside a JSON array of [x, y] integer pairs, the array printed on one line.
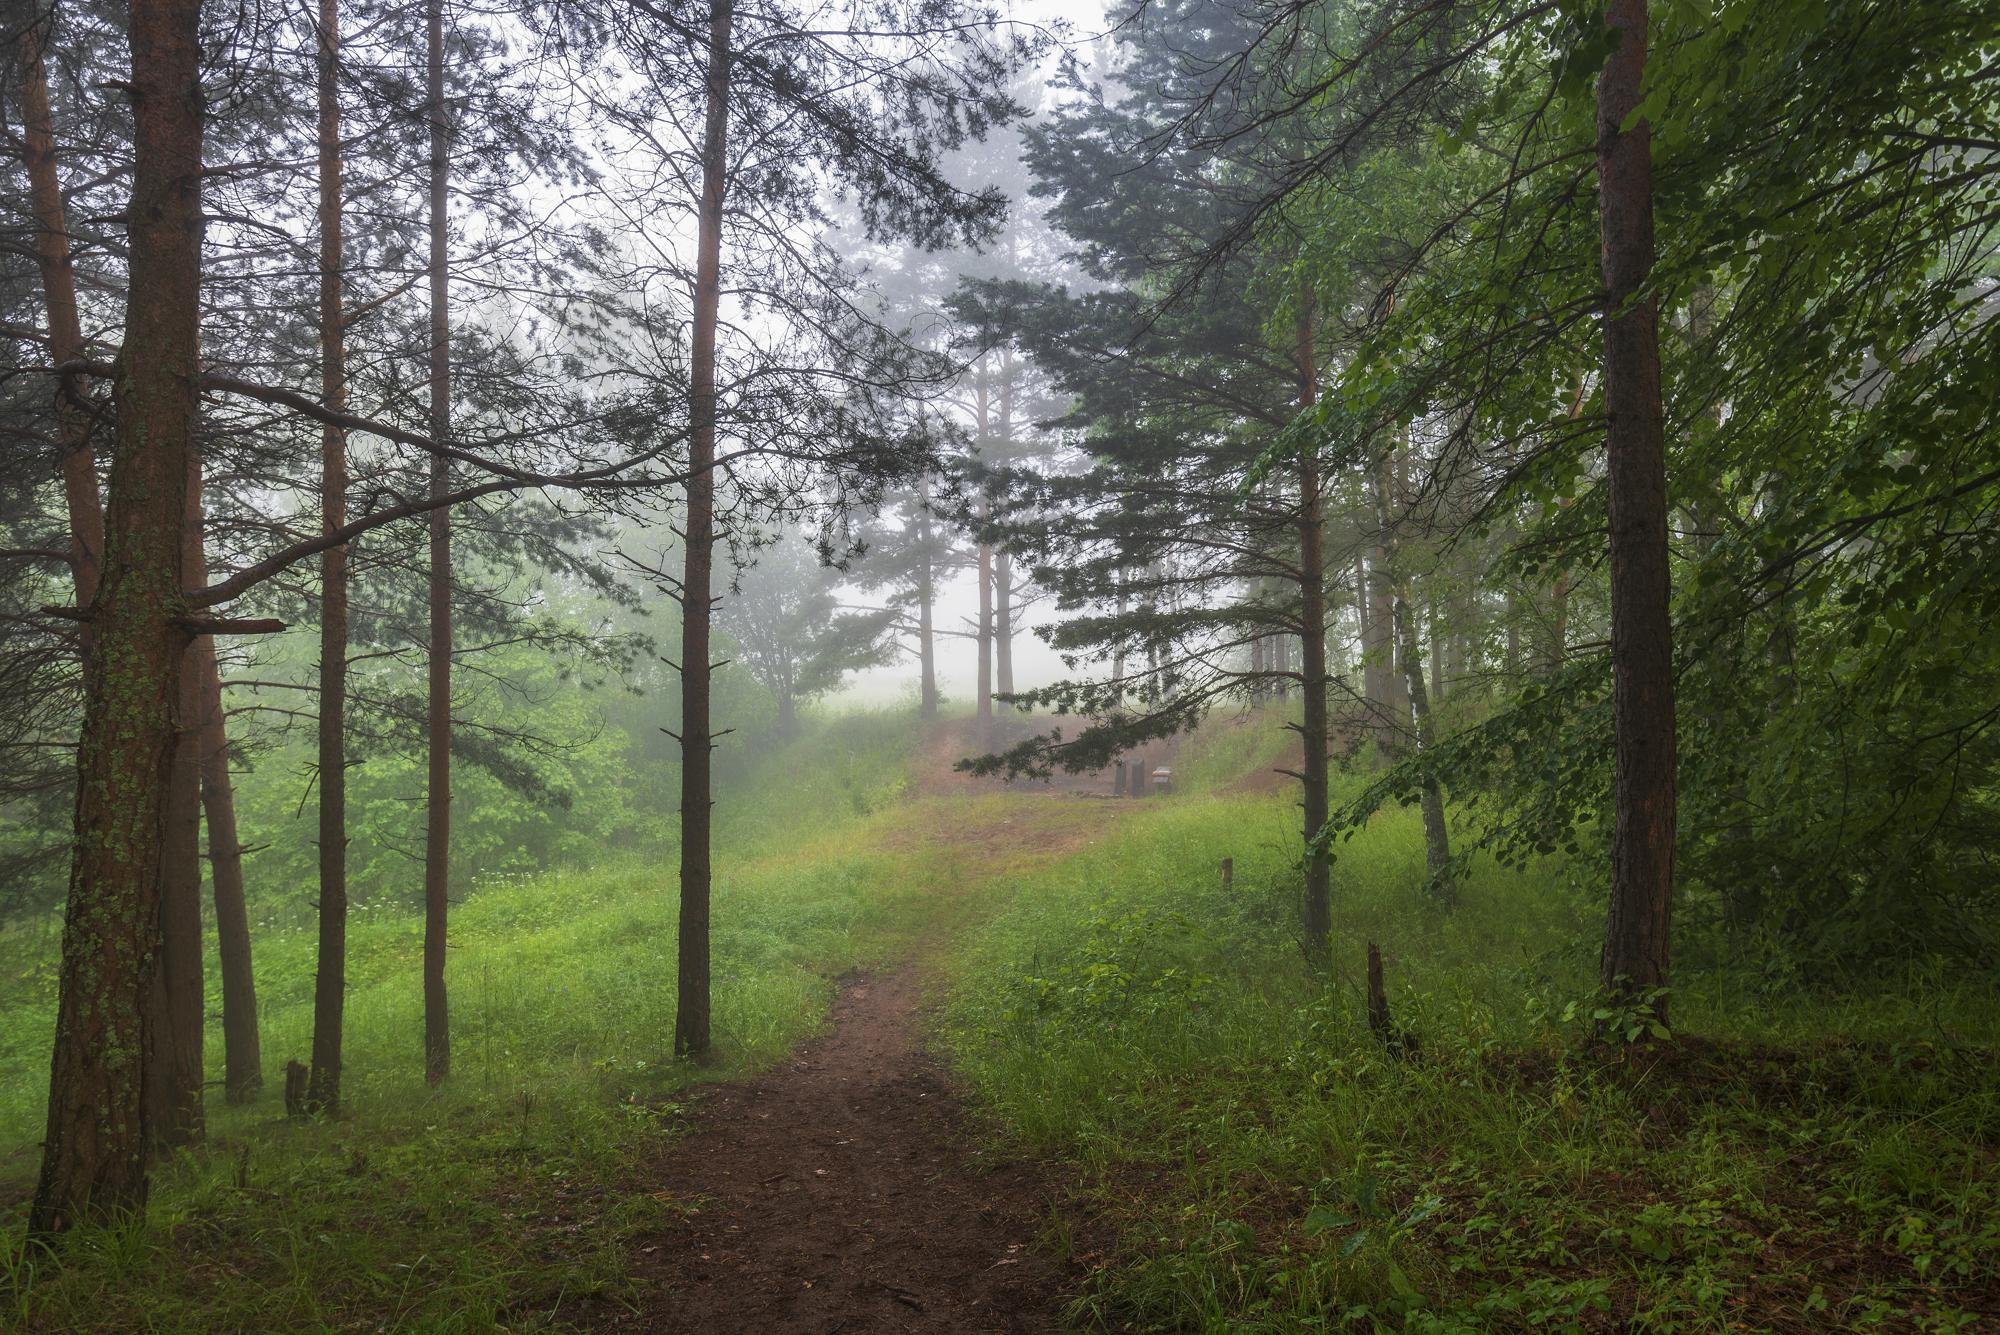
[[296, 1075], [1378, 1000], [1228, 873]]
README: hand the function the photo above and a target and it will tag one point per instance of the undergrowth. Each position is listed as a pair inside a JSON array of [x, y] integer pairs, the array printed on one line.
[[1255, 1159], [506, 1197]]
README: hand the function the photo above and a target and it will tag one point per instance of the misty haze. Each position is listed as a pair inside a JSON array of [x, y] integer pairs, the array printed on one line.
[[824, 666]]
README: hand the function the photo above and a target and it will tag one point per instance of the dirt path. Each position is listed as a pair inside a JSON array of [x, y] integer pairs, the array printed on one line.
[[842, 1191]]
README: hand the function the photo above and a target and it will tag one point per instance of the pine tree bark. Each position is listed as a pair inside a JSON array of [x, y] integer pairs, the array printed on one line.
[[242, 1046], [437, 788], [1637, 930], [1003, 564], [174, 1075], [330, 979], [52, 258], [1314, 741], [691, 1019], [94, 1150]]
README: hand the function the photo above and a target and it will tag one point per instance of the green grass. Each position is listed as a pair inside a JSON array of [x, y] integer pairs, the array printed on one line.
[[507, 1196], [1255, 1160], [1245, 1155]]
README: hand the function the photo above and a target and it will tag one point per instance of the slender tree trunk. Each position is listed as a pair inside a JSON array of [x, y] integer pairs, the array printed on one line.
[[242, 1048], [691, 1020], [330, 980], [1558, 624], [1003, 623], [1636, 940], [79, 468], [1363, 631], [1314, 742], [1118, 648], [1434, 619], [94, 1150], [984, 637], [926, 597], [1387, 697], [1003, 564], [174, 1075], [1558, 653], [1438, 881], [1513, 633], [437, 796]]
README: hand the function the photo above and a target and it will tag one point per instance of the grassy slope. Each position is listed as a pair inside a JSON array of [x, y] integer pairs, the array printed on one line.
[[495, 1198], [1259, 1162]]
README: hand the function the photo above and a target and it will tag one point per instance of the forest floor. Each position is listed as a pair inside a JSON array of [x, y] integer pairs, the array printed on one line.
[[846, 1189]]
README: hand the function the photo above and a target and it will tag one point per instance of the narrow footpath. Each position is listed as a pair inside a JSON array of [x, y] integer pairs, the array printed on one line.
[[843, 1191]]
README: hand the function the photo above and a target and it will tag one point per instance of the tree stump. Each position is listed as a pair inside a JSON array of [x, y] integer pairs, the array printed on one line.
[[296, 1075], [1378, 1000]]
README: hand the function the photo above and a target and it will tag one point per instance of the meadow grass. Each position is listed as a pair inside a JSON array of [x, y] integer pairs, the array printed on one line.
[[510, 1194], [1255, 1159]]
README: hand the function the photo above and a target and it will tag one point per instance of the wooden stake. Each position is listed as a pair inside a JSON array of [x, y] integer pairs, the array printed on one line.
[[1378, 1000]]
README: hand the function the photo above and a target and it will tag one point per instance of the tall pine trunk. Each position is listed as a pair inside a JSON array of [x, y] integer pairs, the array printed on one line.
[[926, 597], [1636, 938], [174, 1075], [1314, 742], [52, 257], [1003, 564], [691, 1018], [94, 1149], [982, 401], [242, 1047], [330, 981], [437, 723]]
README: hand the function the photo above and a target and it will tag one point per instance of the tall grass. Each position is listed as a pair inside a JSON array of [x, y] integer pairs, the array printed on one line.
[[504, 1196], [1263, 1162]]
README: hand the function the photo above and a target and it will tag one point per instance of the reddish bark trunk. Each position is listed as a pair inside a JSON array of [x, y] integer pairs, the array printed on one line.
[[242, 1048], [437, 796], [174, 1075], [1642, 678], [1313, 733], [330, 981], [691, 1018], [79, 470], [94, 1150]]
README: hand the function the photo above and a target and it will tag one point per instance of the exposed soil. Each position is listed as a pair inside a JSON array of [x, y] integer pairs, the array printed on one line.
[[843, 1191]]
